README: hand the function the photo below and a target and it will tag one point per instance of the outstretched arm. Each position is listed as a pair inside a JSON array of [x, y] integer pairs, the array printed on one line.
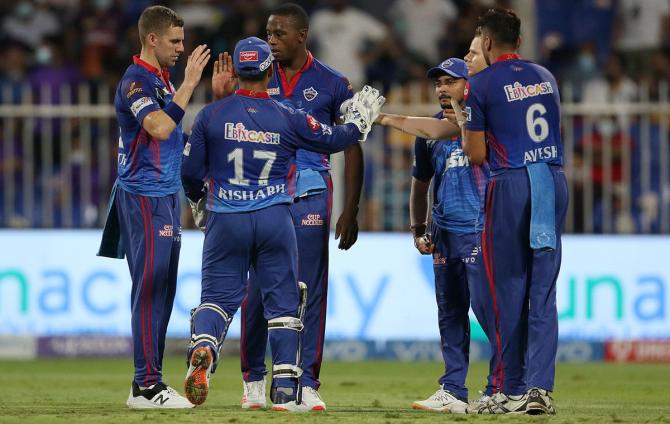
[[430, 128]]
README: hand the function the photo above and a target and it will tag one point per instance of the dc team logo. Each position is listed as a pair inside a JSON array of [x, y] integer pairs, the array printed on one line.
[[314, 125], [310, 93], [249, 56]]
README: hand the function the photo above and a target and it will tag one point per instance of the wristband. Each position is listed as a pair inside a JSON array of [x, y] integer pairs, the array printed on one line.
[[175, 112], [418, 229]]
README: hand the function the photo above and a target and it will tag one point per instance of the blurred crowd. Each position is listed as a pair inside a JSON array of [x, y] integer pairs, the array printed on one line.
[[602, 52]]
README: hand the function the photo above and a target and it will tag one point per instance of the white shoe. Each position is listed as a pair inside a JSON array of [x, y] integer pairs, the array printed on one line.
[[442, 401], [254, 394], [283, 400], [159, 396], [473, 406], [501, 403], [311, 400], [196, 383]]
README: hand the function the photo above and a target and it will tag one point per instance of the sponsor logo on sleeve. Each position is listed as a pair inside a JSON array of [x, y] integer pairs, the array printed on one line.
[[133, 89], [314, 125], [248, 56], [466, 92], [273, 91], [140, 104]]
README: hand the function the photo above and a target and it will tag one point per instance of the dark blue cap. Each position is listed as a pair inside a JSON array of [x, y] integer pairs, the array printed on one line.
[[453, 67], [252, 56]]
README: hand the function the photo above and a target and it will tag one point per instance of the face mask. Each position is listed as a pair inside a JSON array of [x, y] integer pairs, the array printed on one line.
[[24, 10], [586, 62], [103, 4], [43, 55]]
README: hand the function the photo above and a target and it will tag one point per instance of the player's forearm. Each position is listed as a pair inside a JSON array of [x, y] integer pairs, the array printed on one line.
[[353, 177], [420, 126], [341, 138], [474, 146], [418, 203]]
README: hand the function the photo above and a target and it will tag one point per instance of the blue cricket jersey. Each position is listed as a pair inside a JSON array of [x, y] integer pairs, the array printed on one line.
[[146, 166], [516, 102], [458, 187], [244, 147], [318, 90]]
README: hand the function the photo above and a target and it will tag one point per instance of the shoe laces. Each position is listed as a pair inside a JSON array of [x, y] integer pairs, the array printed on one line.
[[443, 396], [254, 388], [482, 399], [311, 391]]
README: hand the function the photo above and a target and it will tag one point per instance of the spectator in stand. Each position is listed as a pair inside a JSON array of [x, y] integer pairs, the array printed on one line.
[[342, 34], [643, 25], [13, 72], [577, 74], [421, 24], [30, 23], [101, 25]]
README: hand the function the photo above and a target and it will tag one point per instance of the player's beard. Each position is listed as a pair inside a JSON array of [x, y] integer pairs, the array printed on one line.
[[444, 106]]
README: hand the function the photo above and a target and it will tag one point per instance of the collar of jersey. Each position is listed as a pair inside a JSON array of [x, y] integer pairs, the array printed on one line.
[[149, 67], [288, 86], [251, 93], [508, 56]]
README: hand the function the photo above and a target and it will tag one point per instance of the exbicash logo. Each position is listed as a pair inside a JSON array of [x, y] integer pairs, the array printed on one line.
[[310, 93], [237, 132], [248, 56], [166, 231], [312, 219], [517, 91]]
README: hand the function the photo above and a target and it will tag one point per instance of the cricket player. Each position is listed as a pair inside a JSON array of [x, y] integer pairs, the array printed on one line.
[[453, 238], [513, 122], [303, 82], [143, 216], [244, 147], [444, 125]]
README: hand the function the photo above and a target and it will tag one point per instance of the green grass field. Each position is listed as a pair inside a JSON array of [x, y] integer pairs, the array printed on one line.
[[94, 391]]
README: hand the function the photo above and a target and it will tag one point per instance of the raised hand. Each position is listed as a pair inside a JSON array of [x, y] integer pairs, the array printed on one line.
[[195, 64], [224, 80]]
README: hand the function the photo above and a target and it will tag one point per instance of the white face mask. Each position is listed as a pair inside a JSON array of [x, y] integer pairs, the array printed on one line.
[[24, 9], [43, 55]]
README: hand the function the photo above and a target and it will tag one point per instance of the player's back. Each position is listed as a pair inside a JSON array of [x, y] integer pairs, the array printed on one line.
[[247, 143], [521, 103]]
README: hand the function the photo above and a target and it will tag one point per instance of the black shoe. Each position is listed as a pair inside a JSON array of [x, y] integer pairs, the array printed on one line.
[[540, 402]]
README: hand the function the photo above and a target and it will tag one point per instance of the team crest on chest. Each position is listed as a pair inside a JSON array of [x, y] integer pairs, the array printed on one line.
[[309, 93]]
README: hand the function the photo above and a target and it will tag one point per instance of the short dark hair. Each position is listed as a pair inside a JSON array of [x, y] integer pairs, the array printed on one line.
[[503, 25], [254, 78], [157, 19], [295, 11]]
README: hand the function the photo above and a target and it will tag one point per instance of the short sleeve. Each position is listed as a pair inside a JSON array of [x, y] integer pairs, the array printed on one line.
[[474, 106], [422, 167], [139, 97], [343, 91]]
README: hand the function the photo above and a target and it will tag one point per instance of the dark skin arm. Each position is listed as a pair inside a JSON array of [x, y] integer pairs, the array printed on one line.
[[418, 214], [346, 229]]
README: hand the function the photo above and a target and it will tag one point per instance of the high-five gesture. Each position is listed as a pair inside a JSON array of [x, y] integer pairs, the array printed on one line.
[[224, 80], [195, 64]]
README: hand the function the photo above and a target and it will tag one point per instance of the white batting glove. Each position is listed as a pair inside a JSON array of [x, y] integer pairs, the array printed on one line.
[[362, 109]]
